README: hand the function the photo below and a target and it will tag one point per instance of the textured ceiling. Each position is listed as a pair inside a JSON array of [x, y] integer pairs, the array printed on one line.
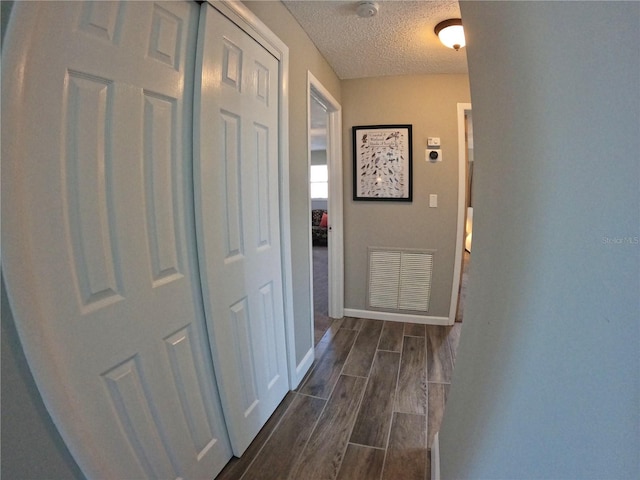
[[399, 40]]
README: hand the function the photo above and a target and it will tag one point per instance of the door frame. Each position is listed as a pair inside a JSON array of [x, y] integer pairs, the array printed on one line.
[[254, 27], [462, 108], [315, 90]]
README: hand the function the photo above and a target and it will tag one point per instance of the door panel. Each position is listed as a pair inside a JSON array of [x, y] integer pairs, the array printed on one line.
[[237, 217], [104, 239]]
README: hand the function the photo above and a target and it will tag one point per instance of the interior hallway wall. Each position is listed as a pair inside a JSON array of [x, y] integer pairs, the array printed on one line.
[[429, 104], [547, 377], [31, 444]]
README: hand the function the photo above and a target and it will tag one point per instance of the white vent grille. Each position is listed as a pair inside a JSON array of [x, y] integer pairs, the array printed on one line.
[[400, 279]]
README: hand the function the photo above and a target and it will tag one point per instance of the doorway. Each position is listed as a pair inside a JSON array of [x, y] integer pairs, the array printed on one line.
[[319, 192], [325, 206], [465, 209]]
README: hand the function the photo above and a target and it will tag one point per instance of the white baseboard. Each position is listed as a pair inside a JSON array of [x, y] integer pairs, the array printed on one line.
[[397, 317], [435, 457], [302, 368]]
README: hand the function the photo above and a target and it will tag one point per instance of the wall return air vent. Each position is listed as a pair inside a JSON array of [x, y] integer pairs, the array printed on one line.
[[399, 279]]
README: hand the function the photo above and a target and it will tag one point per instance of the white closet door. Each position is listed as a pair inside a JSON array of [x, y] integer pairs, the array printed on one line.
[[99, 254], [237, 217]]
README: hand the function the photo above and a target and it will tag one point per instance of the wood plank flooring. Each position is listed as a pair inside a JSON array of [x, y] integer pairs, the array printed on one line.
[[368, 408]]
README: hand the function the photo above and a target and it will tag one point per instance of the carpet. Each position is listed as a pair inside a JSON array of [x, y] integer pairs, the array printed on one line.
[[321, 320]]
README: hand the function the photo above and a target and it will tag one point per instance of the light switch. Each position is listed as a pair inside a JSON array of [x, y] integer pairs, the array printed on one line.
[[433, 200], [433, 141]]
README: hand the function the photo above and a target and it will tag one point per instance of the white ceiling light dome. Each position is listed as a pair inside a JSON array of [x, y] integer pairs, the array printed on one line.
[[451, 33]]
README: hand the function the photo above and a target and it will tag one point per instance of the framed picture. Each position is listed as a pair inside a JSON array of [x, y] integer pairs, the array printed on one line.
[[382, 163]]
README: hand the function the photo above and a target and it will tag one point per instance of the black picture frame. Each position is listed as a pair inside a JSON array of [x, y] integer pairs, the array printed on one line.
[[382, 163]]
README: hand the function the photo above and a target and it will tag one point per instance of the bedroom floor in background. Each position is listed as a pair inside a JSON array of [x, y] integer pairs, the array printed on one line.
[[367, 409], [321, 319]]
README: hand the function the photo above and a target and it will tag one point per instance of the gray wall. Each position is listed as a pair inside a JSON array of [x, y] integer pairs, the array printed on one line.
[[547, 378], [319, 203], [31, 445], [429, 104], [303, 56], [319, 157]]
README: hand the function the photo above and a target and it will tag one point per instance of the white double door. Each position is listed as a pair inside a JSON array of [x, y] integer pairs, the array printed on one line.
[[109, 262]]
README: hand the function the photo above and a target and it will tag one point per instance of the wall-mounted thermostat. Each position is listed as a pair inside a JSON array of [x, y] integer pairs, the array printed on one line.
[[433, 155]]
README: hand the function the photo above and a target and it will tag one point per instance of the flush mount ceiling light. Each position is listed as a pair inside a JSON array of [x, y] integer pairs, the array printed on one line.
[[450, 33], [367, 9]]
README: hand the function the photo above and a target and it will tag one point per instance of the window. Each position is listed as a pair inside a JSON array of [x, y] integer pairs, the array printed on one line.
[[319, 181]]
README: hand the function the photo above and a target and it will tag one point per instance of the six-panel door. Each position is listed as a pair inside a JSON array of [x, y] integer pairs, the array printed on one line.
[[104, 240], [237, 217]]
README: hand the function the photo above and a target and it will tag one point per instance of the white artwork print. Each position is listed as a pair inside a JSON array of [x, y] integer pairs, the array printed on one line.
[[382, 163]]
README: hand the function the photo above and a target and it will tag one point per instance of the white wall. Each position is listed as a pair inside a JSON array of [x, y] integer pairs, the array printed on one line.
[[547, 379]]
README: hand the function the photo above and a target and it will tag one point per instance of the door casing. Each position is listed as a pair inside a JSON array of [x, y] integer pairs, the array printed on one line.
[[462, 210], [335, 202]]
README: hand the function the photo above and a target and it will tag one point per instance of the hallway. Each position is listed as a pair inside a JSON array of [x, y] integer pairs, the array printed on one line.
[[368, 408]]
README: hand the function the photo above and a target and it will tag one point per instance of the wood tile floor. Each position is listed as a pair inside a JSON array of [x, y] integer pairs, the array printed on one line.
[[368, 408]]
